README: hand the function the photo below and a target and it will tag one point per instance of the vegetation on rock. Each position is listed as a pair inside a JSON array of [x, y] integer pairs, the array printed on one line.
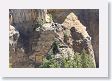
[[53, 39], [80, 60]]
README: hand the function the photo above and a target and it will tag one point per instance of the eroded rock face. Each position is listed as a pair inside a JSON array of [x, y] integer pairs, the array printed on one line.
[[77, 31], [72, 22], [71, 32], [13, 37], [89, 18], [81, 39], [49, 32], [18, 58], [44, 43], [64, 51]]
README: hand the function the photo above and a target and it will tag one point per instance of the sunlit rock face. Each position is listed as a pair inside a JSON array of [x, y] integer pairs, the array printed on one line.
[[75, 28], [80, 36], [90, 21], [90, 18], [46, 38]]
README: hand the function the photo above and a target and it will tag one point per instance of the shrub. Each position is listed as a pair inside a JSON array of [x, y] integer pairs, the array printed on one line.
[[80, 60]]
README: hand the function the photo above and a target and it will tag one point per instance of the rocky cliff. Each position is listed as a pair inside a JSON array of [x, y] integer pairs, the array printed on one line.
[[88, 17], [62, 33]]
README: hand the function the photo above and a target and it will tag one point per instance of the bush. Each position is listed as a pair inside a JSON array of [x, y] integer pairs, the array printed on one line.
[[80, 60]]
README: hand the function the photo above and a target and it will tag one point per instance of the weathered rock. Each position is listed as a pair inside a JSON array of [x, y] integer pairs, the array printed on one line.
[[44, 44], [19, 59], [64, 52], [47, 26], [88, 17], [42, 16], [38, 44], [24, 20], [72, 21], [13, 37], [79, 33], [59, 15]]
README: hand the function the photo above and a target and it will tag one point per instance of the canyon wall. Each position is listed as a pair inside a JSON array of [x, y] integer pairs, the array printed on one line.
[[25, 21], [88, 17]]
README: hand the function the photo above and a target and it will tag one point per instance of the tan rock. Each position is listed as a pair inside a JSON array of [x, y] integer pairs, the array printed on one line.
[[44, 44], [78, 32]]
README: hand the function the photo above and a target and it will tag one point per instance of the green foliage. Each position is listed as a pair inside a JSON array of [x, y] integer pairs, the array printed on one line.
[[80, 60], [39, 23], [55, 47], [87, 61]]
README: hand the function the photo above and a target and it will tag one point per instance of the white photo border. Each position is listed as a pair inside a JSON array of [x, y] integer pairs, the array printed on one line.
[[102, 71]]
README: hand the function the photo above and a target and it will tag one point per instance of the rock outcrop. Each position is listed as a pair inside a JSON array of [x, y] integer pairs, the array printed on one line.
[[81, 39], [37, 37], [43, 44], [13, 36], [89, 18]]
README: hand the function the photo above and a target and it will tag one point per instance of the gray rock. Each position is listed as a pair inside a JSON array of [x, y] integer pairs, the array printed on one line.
[[13, 36]]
